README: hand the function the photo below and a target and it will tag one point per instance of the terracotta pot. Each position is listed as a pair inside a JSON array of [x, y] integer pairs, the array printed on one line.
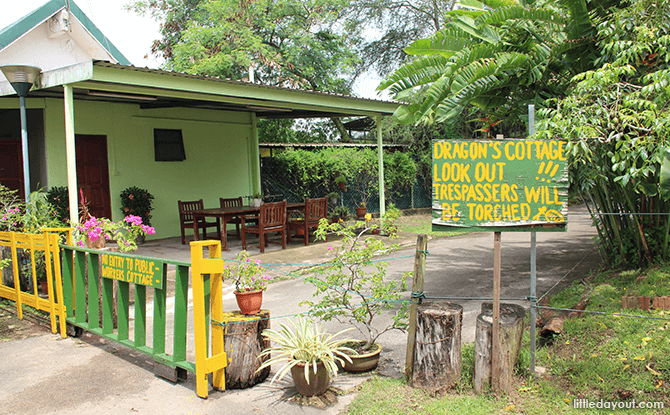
[[99, 243], [365, 361], [361, 211], [342, 185], [44, 286], [249, 302], [318, 382]]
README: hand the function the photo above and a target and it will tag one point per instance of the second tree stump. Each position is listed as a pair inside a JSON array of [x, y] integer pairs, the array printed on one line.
[[511, 333]]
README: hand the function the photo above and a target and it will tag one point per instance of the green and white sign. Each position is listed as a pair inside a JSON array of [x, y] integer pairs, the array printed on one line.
[[500, 185], [135, 270]]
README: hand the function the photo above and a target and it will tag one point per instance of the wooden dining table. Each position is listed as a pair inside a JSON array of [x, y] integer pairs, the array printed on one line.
[[225, 214]]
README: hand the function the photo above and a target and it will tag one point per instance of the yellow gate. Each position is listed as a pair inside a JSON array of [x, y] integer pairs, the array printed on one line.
[[47, 243]]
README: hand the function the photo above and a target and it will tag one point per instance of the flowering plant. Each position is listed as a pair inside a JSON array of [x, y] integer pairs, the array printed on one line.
[[124, 232], [137, 202], [248, 274]]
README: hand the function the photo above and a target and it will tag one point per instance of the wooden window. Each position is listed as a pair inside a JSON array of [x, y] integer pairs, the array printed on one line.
[[168, 145]]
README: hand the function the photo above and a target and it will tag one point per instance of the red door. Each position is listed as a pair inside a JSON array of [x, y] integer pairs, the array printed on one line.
[[93, 173], [11, 165]]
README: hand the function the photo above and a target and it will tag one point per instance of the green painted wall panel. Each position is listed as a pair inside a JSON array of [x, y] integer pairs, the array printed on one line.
[[216, 145]]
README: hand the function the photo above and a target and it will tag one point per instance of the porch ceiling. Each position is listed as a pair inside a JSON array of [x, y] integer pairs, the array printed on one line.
[[152, 88]]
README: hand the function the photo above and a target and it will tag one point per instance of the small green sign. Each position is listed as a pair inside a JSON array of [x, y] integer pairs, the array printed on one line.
[[511, 185], [135, 270]]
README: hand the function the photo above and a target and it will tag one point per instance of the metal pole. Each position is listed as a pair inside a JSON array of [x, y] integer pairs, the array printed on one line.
[[24, 147], [533, 264], [380, 153]]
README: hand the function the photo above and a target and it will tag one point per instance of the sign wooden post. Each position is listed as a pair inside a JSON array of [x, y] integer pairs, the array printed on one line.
[[495, 334], [417, 287]]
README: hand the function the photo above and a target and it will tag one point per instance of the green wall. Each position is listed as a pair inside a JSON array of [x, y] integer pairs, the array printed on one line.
[[216, 145]]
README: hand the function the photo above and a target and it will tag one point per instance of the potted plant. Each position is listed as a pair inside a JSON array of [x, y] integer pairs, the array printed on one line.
[[353, 289], [341, 181], [333, 197], [249, 283], [256, 199], [310, 354], [137, 202], [339, 214], [94, 233], [361, 210]]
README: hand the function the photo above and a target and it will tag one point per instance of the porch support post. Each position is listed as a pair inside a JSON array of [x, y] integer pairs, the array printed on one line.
[[70, 156], [254, 159], [380, 152]]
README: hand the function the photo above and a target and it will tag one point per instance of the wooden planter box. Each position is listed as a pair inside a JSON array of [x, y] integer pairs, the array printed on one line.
[[645, 302], [662, 302], [636, 302]]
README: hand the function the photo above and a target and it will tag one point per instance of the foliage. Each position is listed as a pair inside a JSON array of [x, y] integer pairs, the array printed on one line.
[[351, 288], [388, 26], [305, 344], [340, 213], [248, 274], [137, 202], [11, 209], [58, 198], [320, 171], [399, 174], [617, 119], [498, 56], [39, 214]]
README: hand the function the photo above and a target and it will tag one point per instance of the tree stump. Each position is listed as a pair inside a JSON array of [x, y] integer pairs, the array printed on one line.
[[511, 333], [243, 342], [437, 349]]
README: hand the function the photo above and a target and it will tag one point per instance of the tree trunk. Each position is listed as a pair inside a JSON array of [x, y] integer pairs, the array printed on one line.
[[243, 342], [437, 350], [511, 333]]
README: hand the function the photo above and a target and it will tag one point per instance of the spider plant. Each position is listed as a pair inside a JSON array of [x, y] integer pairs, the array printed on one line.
[[304, 343]]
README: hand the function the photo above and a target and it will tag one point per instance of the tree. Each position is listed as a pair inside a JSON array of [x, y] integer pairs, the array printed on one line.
[[292, 43], [390, 24], [617, 117], [498, 56]]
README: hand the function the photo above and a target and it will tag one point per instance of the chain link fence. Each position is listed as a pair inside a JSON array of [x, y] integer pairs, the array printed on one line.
[[276, 185]]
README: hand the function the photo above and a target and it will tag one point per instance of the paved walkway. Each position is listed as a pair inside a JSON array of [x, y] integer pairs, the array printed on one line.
[[47, 374]]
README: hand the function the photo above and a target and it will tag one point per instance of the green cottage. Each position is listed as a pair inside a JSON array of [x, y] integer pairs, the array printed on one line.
[[99, 124]]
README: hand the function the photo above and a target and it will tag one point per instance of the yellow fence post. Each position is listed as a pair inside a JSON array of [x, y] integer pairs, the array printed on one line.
[[217, 362], [15, 269], [52, 250]]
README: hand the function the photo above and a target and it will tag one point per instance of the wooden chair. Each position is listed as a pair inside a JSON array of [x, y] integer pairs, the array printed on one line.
[[186, 219], [315, 209], [233, 202], [272, 219]]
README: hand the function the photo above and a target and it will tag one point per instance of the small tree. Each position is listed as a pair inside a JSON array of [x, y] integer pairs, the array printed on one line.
[[352, 288]]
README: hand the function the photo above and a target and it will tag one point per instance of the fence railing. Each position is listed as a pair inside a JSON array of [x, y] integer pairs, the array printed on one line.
[[21, 253], [102, 292]]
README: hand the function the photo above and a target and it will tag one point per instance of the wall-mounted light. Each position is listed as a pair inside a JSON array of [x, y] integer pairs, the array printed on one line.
[[22, 78]]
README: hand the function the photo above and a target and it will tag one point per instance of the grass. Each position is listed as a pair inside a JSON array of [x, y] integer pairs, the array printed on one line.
[[421, 224], [611, 357]]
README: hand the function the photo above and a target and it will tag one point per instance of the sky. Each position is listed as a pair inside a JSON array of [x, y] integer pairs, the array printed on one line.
[[133, 35]]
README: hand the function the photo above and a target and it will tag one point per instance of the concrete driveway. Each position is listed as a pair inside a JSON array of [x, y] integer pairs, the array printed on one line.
[[46, 374]]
